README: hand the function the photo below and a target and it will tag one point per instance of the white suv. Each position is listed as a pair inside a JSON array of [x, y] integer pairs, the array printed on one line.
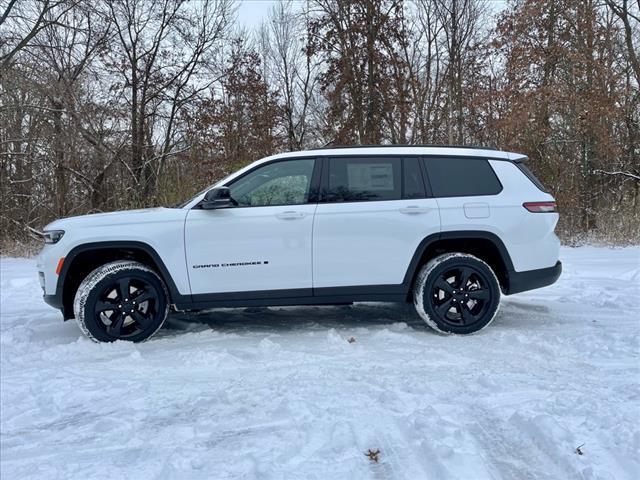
[[448, 228]]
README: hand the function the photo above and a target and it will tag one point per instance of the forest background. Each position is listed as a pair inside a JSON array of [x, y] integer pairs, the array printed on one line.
[[118, 104]]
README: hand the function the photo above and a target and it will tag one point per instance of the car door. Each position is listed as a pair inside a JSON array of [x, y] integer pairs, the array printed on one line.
[[373, 214], [264, 243]]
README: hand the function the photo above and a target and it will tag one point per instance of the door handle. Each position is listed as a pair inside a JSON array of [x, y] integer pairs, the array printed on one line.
[[414, 209], [290, 215]]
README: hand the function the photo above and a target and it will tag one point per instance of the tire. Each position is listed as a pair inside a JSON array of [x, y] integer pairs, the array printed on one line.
[[123, 300], [456, 293]]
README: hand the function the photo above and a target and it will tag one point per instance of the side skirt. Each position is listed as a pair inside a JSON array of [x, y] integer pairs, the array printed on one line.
[[280, 298]]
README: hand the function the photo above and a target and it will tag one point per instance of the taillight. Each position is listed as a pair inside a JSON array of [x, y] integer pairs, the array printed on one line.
[[541, 207]]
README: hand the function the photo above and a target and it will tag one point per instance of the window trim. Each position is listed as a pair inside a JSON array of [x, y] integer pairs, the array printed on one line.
[[324, 181], [314, 184], [425, 159], [320, 180]]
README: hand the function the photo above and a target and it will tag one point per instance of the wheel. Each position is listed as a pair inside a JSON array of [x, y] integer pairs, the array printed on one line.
[[123, 300], [456, 293]]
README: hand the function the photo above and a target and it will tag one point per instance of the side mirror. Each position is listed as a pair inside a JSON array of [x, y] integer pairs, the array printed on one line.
[[219, 197]]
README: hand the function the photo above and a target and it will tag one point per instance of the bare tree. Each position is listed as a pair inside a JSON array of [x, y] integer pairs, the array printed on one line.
[[289, 68], [28, 18], [630, 18], [460, 20], [161, 51], [426, 62]]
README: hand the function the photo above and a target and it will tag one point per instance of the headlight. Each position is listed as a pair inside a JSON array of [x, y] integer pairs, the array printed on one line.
[[52, 236]]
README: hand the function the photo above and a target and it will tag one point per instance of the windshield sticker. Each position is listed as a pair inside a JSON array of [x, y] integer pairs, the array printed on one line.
[[370, 176]]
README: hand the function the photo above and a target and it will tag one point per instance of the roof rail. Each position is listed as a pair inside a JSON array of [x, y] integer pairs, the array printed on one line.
[[473, 147]]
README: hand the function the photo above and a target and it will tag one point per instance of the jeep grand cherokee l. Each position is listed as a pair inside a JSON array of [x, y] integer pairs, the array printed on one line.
[[447, 228]]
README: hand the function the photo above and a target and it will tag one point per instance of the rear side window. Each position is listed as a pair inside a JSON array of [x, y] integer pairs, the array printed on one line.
[[460, 177], [529, 174], [364, 179]]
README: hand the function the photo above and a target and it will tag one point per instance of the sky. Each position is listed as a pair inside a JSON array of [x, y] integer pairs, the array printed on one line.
[[251, 13]]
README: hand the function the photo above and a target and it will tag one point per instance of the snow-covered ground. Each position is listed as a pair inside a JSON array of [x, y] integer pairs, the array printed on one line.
[[282, 394]]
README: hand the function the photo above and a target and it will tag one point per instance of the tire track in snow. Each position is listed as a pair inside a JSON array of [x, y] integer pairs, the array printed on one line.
[[516, 449]]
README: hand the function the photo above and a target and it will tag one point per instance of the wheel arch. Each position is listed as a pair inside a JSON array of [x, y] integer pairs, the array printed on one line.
[[84, 258], [485, 245]]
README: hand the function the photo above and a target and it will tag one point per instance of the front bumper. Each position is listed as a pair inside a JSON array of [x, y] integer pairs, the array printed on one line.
[[531, 279], [56, 302], [47, 265], [53, 300]]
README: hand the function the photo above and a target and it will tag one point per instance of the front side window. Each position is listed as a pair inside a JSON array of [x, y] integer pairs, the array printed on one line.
[[280, 183], [364, 179], [461, 177]]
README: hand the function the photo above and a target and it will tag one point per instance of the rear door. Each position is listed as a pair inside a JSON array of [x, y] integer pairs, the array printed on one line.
[[373, 213]]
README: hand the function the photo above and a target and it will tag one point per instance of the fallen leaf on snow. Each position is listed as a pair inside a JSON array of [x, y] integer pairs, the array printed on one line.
[[373, 455]]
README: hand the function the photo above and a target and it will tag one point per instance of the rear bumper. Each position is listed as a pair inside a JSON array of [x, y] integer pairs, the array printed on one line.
[[531, 279]]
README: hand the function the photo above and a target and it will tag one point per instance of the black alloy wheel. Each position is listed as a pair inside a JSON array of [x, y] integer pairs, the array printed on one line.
[[461, 296], [126, 307], [121, 300], [456, 293]]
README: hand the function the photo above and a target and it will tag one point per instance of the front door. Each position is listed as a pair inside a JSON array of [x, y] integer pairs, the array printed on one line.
[[263, 243]]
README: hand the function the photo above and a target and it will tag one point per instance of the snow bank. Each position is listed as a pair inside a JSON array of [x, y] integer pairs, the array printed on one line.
[[281, 393]]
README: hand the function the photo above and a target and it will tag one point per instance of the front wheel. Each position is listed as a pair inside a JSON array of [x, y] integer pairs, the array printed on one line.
[[456, 293], [123, 300]]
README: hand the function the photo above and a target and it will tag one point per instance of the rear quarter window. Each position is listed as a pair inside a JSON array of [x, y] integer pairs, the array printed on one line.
[[529, 174], [461, 177]]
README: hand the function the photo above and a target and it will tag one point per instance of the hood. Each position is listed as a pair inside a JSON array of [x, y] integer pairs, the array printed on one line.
[[124, 217]]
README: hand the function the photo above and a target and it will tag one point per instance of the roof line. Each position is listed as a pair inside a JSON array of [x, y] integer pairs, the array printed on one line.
[[403, 145]]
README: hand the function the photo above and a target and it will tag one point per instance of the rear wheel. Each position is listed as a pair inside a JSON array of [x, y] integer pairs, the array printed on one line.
[[122, 300], [456, 293]]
